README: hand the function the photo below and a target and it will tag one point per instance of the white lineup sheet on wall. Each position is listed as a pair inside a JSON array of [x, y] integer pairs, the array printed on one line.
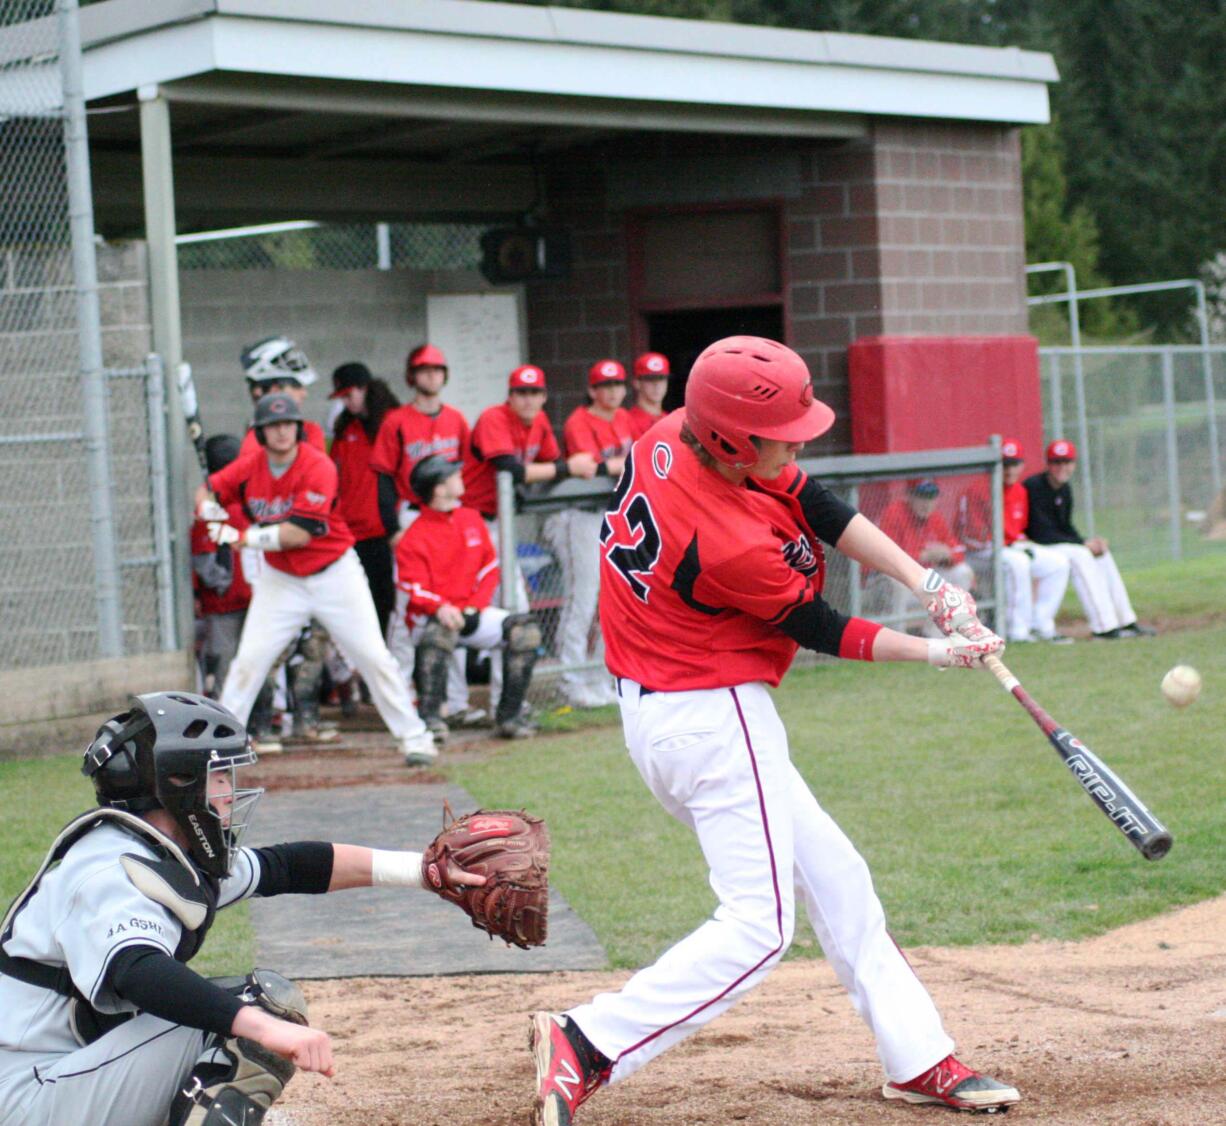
[[480, 335]]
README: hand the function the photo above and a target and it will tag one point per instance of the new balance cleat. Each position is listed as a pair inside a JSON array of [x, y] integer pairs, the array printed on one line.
[[568, 1069], [953, 1084]]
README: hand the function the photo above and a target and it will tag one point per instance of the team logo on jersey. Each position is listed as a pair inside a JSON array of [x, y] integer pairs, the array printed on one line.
[[661, 459], [271, 509], [415, 451], [315, 498], [799, 555]]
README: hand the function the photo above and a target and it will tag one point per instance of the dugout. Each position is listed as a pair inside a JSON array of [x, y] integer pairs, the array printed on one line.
[[858, 197]]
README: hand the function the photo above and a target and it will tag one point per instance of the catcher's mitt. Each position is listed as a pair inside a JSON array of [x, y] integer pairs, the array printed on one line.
[[510, 848]]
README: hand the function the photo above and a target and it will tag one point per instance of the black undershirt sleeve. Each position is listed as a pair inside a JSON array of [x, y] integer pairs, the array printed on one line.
[[301, 867], [156, 984], [509, 463], [387, 505], [827, 514], [815, 625]]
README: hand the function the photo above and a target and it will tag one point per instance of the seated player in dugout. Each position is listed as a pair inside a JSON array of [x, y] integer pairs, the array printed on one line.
[[915, 524], [274, 364], [101, 1019], [448, 569], [1096, 578], [288, 492], [712, 571], [651, 372]]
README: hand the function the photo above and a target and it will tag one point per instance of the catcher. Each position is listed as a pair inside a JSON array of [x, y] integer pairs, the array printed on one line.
[[102, 1021]]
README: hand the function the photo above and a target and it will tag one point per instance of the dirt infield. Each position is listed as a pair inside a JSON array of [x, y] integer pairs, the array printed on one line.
[[1128, 1028]]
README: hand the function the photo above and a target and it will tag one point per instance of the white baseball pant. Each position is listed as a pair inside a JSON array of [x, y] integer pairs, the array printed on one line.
[[339, 597], [574, 536], [1098, 584], [718, 761], [128, 1076], [1035, 580]]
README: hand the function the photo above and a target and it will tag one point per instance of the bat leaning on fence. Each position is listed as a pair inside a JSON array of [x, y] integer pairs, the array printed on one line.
[[1106, 789], [191, 414]]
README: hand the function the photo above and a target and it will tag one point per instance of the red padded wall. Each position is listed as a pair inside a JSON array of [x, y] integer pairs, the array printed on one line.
[[929, 392]]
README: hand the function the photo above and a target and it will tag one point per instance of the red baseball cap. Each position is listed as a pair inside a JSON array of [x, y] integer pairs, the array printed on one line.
[[651, 363], [1061, 450], [526, 377], [605, 371], [1011, 450]]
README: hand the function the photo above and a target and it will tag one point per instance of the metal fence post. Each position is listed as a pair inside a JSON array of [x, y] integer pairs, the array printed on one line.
[[1172, 454], [1057, 396], [383, 246], [108, 592], [1000, 610], [1206, 363], [854, 595], [159, 471], [1083, 436], [508, 555]]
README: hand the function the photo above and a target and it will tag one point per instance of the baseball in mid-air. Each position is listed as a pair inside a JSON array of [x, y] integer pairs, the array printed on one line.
[[1181, 686]]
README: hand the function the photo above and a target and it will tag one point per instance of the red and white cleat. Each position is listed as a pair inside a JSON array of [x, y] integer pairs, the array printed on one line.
[[564, 1081], [955, 1085]]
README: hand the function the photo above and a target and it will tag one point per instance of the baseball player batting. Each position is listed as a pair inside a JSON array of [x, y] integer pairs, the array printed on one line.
[[288, 491], [101, 1020], [711, 577]]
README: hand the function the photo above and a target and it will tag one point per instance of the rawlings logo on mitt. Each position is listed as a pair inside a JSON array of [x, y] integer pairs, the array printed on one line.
[[510, 848]]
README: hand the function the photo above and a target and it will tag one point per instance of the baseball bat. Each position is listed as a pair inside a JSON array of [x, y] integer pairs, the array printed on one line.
[[1106, 789], [191, 414]]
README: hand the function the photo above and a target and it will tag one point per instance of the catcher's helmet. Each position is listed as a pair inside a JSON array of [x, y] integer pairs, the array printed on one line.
[[746, 386], [161, 753], [431, 472], [277, 358], [277, 407], [220, 450]]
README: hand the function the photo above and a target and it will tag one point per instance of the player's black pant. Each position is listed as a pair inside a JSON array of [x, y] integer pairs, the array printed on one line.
[[376, 558]]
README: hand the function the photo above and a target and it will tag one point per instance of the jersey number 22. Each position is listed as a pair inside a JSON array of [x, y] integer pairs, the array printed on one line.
[[629, 537]]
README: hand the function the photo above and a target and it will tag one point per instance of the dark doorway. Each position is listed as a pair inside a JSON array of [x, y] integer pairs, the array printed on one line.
[[682, 336]]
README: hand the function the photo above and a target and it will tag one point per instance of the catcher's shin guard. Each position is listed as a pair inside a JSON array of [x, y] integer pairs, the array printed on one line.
[[434, 651], [521, 640], [234, 1081]]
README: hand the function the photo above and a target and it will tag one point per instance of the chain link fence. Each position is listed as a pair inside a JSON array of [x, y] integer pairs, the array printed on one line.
[[941, 504], [49, 611], [338, 246], [1150, 424]]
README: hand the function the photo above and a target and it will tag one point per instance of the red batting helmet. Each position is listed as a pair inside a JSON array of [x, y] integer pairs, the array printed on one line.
[[651, 364], [1011, 450], [746, 386], [425, 356], [526, 377], [1061, 450], [605, 371]]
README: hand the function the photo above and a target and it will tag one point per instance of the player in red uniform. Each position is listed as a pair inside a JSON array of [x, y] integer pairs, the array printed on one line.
[[1035, 576], [448, 569], [516, 437], [422, 427], [276, 363], [602, 429], [712, 575], [367, 401], [288, 492], [651, 372]]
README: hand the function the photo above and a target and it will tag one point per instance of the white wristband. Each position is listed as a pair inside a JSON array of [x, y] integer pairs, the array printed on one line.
[[263, 537], [395, 869]]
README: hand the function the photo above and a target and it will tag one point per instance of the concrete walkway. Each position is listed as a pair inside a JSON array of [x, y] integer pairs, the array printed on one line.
[[367, 932]]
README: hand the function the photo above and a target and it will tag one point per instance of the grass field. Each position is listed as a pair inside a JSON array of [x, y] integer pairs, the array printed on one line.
[[974, 830]]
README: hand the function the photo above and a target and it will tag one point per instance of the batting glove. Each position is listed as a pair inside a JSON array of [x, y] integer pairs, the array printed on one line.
[[222, 534], [958, 652], [951, 608], [212, 511]]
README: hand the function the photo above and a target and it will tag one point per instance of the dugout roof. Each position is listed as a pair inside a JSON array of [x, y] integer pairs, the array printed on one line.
[[292, 108]]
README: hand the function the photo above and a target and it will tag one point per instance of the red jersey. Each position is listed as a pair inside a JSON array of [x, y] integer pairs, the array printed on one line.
[[406, 436], [313, 435], [696, 572], [901, 524], [446, 557], [500, 431], [238, 595], [585, 432], [1016, 511], [306, 490], [641, 421], [358, 491]]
